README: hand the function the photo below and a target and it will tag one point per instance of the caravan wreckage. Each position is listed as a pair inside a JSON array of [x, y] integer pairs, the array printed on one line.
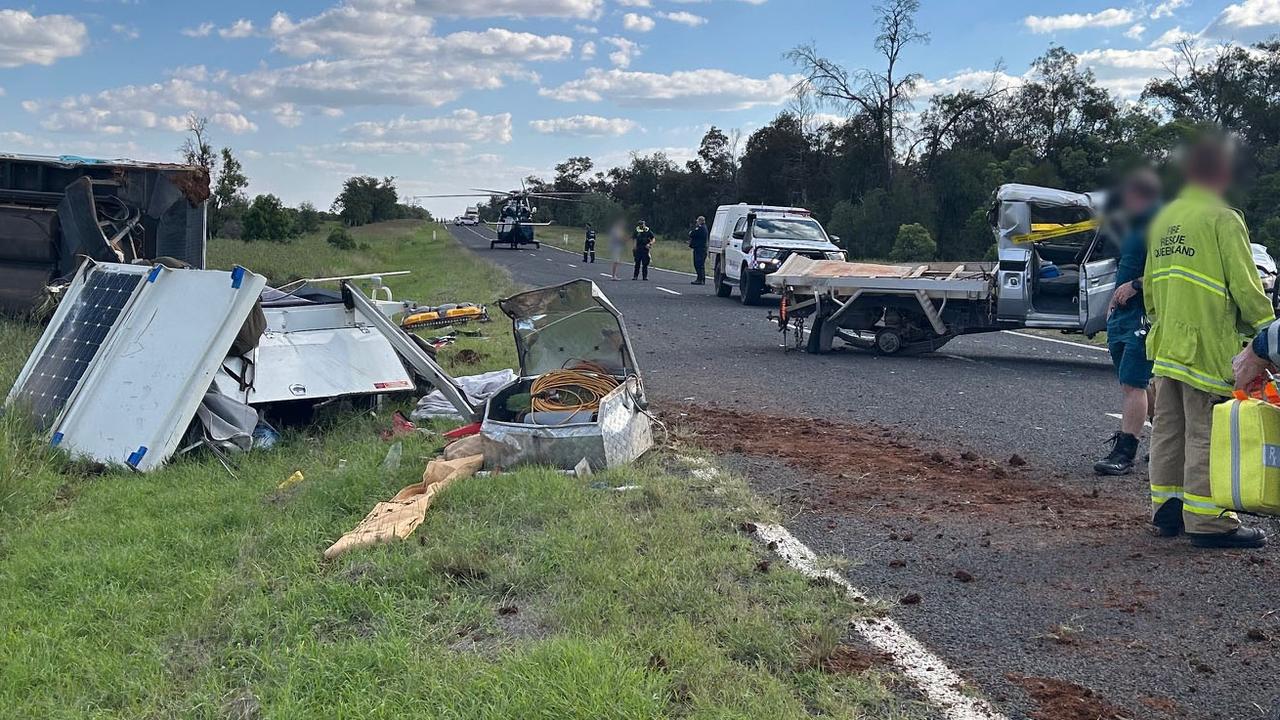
[[140, 363]]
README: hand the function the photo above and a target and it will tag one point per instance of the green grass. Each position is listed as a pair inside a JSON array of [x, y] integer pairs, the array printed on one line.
[[672, 254], [191, 593]]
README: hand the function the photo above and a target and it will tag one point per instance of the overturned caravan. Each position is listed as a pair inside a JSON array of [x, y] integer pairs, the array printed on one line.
[[579, 393], [55, 211]]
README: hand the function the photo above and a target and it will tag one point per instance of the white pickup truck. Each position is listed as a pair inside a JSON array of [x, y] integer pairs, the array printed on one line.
[[748, 242]]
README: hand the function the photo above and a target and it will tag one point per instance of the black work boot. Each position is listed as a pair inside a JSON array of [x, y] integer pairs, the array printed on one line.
[[1243, 538], [1120, 462], [1167, 521]]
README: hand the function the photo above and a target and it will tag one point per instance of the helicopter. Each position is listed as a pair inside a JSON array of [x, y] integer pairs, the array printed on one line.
[[515, 225]]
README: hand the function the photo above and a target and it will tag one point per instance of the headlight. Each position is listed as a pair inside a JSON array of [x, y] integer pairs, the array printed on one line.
[[835, 256], [767, 254]]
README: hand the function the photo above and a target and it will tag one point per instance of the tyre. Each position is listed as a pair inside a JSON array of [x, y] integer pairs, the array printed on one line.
[[723, 288], [749, 288], [888, 342]]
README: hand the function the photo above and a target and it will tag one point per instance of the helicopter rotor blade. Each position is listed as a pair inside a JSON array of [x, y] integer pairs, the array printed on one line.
[[469, 195], [495, 192]]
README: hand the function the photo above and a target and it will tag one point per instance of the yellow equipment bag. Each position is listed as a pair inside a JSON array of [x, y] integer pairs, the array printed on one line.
[[1244, 457]]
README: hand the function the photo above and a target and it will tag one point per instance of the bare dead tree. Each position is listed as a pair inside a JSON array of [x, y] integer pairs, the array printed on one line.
[[880, 94], [196, 149], [933, 131]]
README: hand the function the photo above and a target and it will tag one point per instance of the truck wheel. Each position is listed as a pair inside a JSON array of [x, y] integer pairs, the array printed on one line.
[[723, 288], [888, 342], [749, 288]]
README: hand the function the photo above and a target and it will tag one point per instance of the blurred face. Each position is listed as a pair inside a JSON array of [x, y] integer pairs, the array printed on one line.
[[1140, 198]]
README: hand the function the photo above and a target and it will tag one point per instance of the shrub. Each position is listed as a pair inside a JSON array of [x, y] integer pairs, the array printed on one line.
[[913, 244], [341, 239]]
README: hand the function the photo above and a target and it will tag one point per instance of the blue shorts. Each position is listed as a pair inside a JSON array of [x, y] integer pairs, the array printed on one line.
[[1130, 360]]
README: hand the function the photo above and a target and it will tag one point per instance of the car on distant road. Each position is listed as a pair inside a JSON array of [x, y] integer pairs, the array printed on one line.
[[748, 242]]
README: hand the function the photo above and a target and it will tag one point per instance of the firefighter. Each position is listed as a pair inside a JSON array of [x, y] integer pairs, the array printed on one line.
[[589, 248], [1203, 297], [698, 244], [1126, 334], [642, 253]]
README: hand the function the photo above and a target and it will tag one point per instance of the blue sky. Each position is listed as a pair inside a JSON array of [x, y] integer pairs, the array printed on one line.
[[451, 94]]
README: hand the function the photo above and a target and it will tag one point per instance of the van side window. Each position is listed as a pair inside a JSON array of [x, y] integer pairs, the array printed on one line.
[[741, 226]]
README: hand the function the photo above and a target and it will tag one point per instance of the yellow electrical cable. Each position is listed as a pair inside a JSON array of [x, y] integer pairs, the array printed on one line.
[[584, 386]]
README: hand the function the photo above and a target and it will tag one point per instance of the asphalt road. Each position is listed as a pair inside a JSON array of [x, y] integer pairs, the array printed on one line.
[[1156, 629]]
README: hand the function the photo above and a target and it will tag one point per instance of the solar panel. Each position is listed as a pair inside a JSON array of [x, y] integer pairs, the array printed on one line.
[[75, 343]]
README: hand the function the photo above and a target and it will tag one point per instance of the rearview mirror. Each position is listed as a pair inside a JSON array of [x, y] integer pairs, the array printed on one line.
[[834, 238]]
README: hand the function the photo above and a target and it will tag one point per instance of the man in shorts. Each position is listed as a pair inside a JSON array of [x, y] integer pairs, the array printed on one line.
[[1127, 322]]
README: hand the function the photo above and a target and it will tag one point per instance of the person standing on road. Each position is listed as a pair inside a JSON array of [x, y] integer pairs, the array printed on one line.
[[589, 248], [698, 243], [1126, 332], [617, 241], [643, 238], [1203, 296]]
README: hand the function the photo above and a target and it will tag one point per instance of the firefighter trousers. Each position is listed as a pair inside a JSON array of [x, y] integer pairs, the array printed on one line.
[[1179, 466]]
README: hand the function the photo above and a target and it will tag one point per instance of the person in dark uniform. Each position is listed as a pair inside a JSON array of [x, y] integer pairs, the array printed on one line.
[[589, 249], [698, 243], [643, 238]]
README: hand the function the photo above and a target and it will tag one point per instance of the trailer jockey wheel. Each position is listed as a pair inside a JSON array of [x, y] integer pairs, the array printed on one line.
[[888, 341]]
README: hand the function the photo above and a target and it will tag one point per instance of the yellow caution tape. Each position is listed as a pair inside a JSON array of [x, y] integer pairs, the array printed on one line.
[[1047, 231]]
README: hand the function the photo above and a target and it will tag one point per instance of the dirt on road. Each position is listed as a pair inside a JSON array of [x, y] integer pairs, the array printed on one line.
[[852, 464], [1039, 585]]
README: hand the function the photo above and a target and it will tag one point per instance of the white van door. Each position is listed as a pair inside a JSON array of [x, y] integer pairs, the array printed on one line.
[[733, 255]]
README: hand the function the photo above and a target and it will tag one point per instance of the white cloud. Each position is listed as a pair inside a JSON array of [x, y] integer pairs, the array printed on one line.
[[1167, 8], [1249, 14], [128, 32], [1172, 36], [967, 79], [1127, 72], [239, 29], [287, 114], [27, 39], [458, 126], [635, 3], [201, 30], [709, 89], [234, 123], [634, 22], [1110, 17], [624, 51], [588, 50], [585, 126], [158, 106], [684, 18], [1135, 32], [588, 9]]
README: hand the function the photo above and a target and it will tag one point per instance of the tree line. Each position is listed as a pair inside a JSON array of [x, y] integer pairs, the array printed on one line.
[[893, 161], [232, 214]]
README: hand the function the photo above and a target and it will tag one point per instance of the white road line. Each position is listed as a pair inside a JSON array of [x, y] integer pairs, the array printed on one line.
[[1118, 416], [1082, 346], [572, 265], [605, 275], [673, 292], [944, 689], [939, 683]]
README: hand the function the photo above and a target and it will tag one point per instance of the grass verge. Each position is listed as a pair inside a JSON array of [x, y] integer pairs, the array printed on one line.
[[191, 593]]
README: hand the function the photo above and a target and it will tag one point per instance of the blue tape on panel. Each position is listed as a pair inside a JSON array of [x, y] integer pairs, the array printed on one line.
[[57, 438], [135, 457], [155, 273], [237, 277]]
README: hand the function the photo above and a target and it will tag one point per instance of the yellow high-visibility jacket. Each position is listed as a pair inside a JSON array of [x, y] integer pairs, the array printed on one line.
[[1202, 291]]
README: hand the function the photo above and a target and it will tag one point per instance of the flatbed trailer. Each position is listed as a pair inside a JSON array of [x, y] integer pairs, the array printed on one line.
[[888, 308]]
